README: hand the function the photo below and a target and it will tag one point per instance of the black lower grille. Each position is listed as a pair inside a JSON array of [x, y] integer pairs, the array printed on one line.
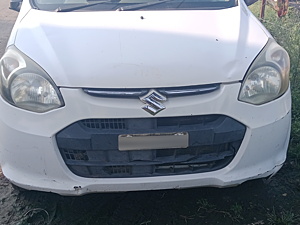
[[90, 147], [104, 123]]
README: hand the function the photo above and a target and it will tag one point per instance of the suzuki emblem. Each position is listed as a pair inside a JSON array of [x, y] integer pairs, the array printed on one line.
[[153, 102]]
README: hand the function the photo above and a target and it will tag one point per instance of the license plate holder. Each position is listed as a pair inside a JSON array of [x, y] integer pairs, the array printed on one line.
[[129, 142]]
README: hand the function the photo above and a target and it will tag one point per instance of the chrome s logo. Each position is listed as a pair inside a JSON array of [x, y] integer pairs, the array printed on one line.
[[153, 102]]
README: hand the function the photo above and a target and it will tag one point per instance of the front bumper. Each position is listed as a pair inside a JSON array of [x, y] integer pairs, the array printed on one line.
[[30, 157]]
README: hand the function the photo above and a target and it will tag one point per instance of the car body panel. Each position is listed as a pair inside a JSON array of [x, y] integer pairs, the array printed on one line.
[[118, 46], [267, 136]]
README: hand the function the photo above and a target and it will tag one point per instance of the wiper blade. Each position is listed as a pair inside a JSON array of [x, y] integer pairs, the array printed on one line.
[[69, 9], [141, 5]]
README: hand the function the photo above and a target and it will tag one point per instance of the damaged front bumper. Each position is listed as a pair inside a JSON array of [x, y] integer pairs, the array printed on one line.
[[31, 158]]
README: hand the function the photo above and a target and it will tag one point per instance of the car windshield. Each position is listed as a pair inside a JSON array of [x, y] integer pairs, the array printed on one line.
[[125, 5]]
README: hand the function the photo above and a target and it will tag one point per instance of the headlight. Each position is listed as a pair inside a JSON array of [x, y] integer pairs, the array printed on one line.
[[26, 85], [268, 76]]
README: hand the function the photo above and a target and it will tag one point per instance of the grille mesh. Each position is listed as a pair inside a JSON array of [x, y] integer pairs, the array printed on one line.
[[77, 155], [104, 123]]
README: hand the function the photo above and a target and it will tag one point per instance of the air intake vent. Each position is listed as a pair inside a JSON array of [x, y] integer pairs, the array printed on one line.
[[108, 124]]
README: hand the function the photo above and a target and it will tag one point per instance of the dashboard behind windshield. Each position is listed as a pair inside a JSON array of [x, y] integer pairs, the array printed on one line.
[[112, 5]]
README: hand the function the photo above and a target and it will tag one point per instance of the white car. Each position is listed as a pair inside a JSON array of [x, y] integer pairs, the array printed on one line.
[[109, 96]]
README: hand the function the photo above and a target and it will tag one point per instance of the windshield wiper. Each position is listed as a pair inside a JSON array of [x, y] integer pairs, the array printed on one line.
[[69, 9], [141, 5]]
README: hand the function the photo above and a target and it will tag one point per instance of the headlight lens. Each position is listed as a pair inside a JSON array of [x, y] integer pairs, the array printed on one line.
[[268, 76], [26, 85]]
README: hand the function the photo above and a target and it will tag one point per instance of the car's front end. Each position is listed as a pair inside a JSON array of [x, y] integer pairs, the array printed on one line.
[[123, 100]]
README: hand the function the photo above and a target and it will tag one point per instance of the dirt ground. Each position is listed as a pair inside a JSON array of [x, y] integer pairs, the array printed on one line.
[[252, 203]]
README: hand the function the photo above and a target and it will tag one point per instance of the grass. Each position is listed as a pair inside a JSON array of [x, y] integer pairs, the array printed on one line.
[[283, 218], [234, 213]]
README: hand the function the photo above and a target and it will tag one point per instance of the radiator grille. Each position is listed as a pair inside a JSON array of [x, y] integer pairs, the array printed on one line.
[[90, 147], [104, 123]]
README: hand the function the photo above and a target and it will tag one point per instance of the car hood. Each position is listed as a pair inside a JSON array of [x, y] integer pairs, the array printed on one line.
[[142, 49]]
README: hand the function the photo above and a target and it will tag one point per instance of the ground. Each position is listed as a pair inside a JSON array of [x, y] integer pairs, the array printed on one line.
[[252, 203]]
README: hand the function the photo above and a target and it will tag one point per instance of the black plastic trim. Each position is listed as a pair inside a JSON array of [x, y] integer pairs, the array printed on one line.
[[90, 147], [139, 92]]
